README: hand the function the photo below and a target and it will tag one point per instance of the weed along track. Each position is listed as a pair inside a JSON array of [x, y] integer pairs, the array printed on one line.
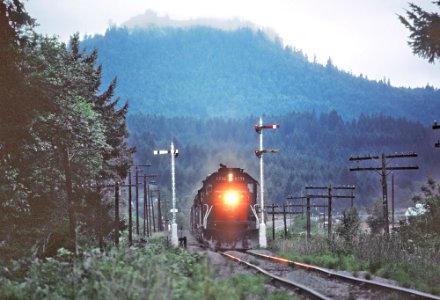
[[275, 271], [319, 283]]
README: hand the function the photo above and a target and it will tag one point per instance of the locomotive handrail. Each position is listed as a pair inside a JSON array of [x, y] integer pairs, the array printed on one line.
[[205, 217], [255, 214]]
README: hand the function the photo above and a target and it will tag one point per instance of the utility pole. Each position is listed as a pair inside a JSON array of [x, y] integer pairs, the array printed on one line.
[[137, 199], [392, 201], [173, 153], [146, 213], [308, 205], [118, 187], [259, 129], [382, 170], [330, 196], [130, 225], [284, 221], [145, 204], [436, 126], [137, 169], [153, 221], [159, 212], [117, 213]]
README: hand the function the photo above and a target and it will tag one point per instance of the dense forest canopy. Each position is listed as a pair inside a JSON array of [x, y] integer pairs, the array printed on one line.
[[207, 72]]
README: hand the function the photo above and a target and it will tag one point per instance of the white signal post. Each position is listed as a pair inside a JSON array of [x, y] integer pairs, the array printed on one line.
[[259, 129], [174, 153]]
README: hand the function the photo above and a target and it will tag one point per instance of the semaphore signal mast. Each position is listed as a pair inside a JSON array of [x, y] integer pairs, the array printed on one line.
[[259, 153], [173, 153]]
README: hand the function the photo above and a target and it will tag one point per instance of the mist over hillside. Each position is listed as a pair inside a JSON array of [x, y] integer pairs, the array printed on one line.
[[203, 72], [152, 19]]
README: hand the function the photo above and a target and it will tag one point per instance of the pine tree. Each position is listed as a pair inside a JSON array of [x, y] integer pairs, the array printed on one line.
[[59, 137], [425, 31], [117, 156]]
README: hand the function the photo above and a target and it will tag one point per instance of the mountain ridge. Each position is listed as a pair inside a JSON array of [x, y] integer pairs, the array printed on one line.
[[206, 72]]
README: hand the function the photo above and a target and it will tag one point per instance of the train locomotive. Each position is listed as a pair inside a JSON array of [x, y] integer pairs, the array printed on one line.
[[224, 212]]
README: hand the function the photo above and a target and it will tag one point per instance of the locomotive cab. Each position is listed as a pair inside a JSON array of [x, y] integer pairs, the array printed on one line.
[[224, 209]]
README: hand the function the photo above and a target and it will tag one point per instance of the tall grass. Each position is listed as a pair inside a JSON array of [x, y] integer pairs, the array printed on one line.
[[404, 261]]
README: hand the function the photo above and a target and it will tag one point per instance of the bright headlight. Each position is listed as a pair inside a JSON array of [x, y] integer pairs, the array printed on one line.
[[231, 198]]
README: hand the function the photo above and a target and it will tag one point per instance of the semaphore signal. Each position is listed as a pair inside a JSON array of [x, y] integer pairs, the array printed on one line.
[[260, 127], [259, 152], [161, 152], [173, 153]]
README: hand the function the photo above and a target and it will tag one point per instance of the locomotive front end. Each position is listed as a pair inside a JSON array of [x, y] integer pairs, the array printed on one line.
[[224, 210]]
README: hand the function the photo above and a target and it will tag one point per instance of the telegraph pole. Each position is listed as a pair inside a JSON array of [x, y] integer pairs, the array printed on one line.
[[137, 169], [159, 212], [145, 204], [330, 197], [436, 126], [117, 213], [118, 186], [259, 129], [146, 213], [383, 171], [392, 201], [308, 205], [130, 224], [137, 199], [153, 221], [173, 153]]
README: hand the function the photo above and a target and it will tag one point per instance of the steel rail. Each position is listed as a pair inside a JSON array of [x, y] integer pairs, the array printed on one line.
[[329, 273], [310, 292]]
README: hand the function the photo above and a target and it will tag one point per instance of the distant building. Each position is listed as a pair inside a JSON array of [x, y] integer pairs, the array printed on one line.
[[420, 209]]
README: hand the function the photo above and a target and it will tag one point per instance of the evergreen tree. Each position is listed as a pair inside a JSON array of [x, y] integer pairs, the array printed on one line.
[[425, 31], [349, 227], [375, 220], [116, 157], [15, 114], [60, 138], [427, 225]]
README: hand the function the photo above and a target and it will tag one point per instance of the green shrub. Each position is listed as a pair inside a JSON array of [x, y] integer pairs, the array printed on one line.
[[155, 272]]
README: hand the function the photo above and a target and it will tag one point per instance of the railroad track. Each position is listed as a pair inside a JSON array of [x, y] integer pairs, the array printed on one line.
[[319, 283]]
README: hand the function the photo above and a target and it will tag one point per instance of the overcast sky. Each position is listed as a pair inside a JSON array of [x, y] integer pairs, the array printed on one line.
[[360, 36]]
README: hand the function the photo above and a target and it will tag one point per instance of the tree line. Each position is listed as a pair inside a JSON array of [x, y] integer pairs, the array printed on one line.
[[314, 150]]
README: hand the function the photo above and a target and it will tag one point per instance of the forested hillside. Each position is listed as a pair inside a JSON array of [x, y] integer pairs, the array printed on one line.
[[314, 149], [207, 72]]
